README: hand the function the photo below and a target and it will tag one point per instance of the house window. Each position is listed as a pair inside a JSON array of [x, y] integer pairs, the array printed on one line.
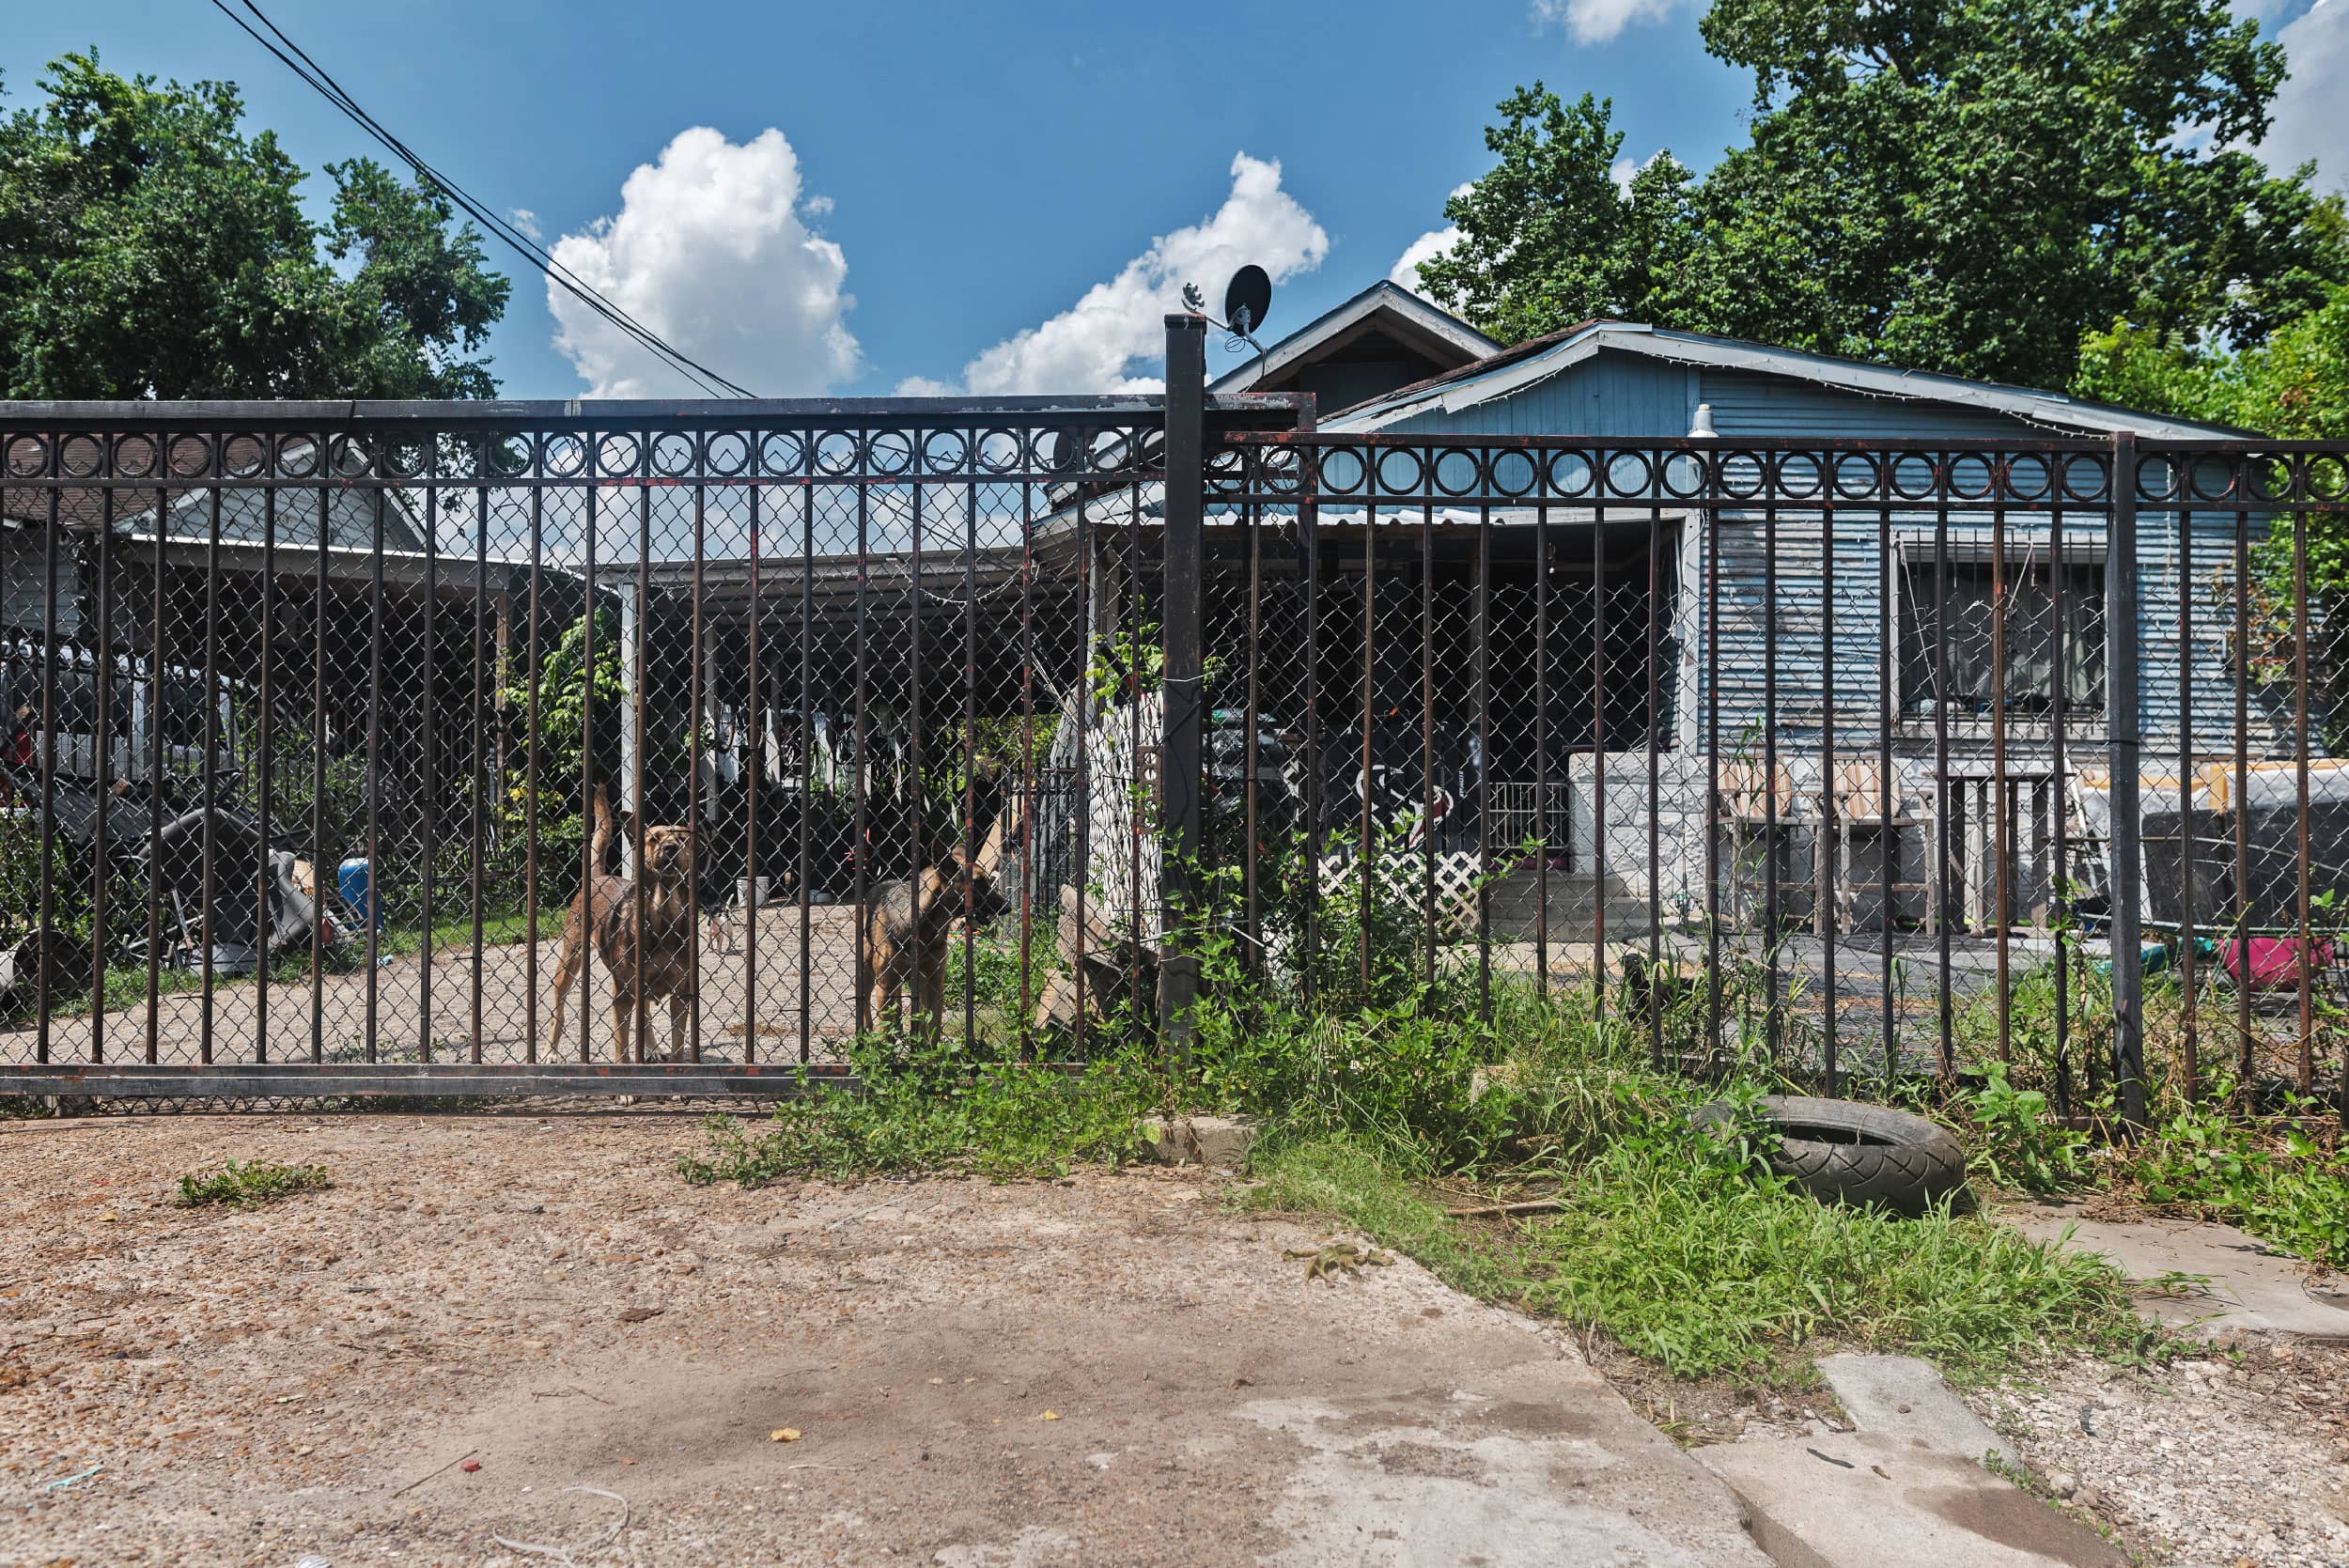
[[1963, 588]]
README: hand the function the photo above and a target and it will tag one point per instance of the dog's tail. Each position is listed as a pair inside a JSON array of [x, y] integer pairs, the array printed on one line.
[[601, 810]]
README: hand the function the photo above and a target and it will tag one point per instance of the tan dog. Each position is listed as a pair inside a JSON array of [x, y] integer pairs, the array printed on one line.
[[647, 960], [905, 927]]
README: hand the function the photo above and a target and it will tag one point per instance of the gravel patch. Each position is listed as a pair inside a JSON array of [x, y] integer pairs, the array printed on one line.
[[2237, 1459]]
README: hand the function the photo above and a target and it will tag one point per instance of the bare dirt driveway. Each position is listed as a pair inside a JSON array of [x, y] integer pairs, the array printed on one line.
[[486, 1312]]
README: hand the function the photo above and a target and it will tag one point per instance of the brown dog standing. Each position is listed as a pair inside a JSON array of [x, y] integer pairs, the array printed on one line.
[[903, 932], [649, 958]]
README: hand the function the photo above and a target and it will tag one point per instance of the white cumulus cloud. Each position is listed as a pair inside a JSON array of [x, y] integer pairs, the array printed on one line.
[[2310, 121], [711, 250], [1599, 20], [524, 219], [1092, 345], [1404, 273]]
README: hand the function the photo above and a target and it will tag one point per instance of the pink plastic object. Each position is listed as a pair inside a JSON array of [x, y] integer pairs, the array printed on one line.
[[2273, 963]]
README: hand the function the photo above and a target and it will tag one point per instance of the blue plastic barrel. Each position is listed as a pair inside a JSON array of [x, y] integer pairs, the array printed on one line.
[[352, 877]]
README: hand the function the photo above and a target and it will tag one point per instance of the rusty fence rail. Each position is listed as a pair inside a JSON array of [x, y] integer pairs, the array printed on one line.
[[979, 719]]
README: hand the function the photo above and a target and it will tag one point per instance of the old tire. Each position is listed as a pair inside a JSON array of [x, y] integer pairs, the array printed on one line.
[[1842, 1152]]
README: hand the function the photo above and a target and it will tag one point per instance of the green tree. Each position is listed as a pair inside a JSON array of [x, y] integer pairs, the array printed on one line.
[[2294, 384], [151, 246], [1548, 237], [1960, 187]]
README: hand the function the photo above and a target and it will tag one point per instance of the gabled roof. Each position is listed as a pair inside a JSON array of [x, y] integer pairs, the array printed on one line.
[[1537, 360], [1382, 307]]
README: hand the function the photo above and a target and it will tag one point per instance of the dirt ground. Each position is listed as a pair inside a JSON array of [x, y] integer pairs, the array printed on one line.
[[1110, 1370]]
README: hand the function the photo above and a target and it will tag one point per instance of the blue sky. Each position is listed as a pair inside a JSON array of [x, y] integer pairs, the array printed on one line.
[[926, 196]]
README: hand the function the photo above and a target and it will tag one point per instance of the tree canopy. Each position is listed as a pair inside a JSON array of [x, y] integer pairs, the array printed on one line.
[[151, 246], [1967, 187]]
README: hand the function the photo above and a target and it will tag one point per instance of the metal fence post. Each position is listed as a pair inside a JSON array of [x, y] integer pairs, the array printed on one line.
[[1179, 759], [2123, 858]]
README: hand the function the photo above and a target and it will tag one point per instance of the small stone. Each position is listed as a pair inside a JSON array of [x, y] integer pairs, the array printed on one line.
[[2064, 1483]]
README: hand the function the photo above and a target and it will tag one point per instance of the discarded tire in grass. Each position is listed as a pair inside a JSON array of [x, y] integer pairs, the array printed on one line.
[[1842, 1152]]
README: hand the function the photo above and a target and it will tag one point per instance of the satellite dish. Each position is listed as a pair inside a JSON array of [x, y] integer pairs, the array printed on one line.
[[1246, 299]]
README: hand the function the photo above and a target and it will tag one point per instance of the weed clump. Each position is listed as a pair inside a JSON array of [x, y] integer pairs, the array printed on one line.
[[250, 1184], [934, 1109]]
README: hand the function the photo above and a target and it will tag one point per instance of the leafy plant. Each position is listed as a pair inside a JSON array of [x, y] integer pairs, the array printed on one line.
[[2013, 1140], [250, 1185]]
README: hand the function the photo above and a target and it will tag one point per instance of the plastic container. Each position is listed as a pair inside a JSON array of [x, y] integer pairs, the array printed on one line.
[[358, 890]]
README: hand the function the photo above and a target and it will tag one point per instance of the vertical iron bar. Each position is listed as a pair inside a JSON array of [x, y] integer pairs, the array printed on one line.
[[1427, 741], [1082, 821], [1889, 791], [1541, 749], [862, 773], [42, 998], [1252, 844], [156, 754], [1484, 763], [2243, 799], [591, 459], [485, 787], [427, 721], [2300, 785], [970, 845], [2127, 865], [1655, 788], [1713, 815], [323, 875], [1598, 763], [1370, 582], [694, 766], [102, 757], [530, 767], [1943, 796], [807, 755], [207, 768], [2000, 799], [1309, 575], [2190, 1063], [1136, 805], [911, 776], [639, 872], [2058, 575], [1770, 1020], [1826, 845], [266, 728], [374, 913], [1022, 1025]]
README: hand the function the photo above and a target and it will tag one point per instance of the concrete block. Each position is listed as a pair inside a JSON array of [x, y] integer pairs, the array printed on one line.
[[1861, 1499], [2245, 1289], [1221, 1142], [1901, 1396]]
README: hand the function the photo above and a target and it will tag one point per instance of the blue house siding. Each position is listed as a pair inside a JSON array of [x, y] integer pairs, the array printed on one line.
[[1747, 404], [1607, 394], [1621, 394], [1751, 578]]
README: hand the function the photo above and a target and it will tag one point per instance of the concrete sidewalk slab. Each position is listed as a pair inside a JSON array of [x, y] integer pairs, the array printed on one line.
[[1901, 1396], [2249, 1289], [1861, 1499]]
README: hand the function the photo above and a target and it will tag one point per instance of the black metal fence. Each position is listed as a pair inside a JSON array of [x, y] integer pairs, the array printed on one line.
[[981, 719]]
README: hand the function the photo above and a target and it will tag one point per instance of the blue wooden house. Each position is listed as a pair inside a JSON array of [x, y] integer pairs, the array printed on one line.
[[1785, 661]]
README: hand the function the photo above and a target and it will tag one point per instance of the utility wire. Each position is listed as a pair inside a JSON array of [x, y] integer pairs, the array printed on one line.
[[298, 61]]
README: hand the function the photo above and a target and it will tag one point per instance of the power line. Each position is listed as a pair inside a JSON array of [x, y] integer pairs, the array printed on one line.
[[317, 76]]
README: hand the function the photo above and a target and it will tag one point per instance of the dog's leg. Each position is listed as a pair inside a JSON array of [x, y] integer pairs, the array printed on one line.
[[566, 972], [678, 1005], [622, 1009]]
